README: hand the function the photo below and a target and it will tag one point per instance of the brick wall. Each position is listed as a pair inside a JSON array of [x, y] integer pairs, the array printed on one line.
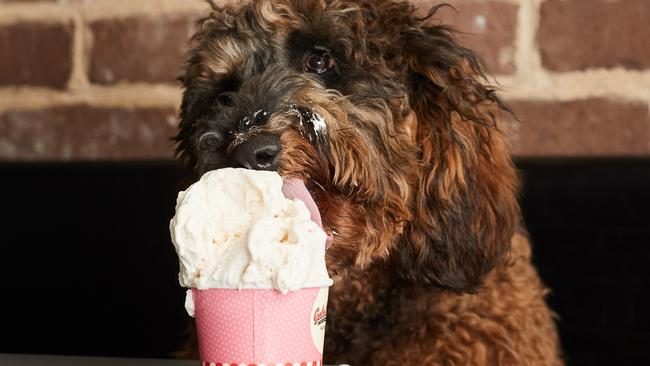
[[94, 79]]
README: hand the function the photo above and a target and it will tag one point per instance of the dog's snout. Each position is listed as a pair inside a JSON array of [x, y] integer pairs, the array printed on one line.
[[259, 152]]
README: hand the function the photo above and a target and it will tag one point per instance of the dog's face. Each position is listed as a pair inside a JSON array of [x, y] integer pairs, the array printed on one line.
[[380, 112]]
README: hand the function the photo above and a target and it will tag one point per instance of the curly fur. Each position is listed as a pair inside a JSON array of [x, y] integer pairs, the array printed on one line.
[[430, 261]]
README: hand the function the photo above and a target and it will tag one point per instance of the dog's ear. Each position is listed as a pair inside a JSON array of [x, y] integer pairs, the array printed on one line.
[[198, 97], [465, 205]]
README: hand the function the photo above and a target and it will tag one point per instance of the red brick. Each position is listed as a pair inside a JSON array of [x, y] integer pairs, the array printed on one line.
[[138, 49], [87, 133], [36, 54], [582, 34], [590, 127], [489, 28]]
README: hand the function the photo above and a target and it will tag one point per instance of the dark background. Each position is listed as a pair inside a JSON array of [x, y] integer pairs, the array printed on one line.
[[88, 267]]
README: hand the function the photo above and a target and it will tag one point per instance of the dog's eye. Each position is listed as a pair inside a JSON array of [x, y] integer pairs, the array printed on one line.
[[318, 61], [225, 99]]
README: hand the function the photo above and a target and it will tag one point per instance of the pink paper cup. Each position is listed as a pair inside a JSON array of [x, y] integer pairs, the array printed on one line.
[[260, 326]]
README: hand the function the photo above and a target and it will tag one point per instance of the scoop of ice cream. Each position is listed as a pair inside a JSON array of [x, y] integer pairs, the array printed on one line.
[[234, 228], [189, 302]]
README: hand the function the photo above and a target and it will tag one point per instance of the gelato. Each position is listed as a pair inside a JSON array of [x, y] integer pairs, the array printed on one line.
[[234, 228]]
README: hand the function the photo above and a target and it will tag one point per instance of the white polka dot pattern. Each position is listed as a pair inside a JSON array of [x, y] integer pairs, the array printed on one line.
[[313, 363], [257, 326]]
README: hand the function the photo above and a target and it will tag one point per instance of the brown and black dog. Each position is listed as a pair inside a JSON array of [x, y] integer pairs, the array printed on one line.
[[391, 123]]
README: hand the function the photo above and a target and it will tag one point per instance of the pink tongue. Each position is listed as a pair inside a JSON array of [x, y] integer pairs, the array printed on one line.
[[295, 188]]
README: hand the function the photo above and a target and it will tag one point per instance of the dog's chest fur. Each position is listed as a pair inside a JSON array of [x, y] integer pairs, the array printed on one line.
[[373, 318]]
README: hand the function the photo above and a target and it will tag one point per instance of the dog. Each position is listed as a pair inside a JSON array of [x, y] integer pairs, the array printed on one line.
[[402, 142]]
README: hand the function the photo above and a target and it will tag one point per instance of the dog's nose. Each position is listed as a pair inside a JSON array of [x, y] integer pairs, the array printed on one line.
[[260, 152]]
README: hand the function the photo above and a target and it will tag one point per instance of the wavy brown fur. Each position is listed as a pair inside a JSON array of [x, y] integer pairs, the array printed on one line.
[[430, 262]]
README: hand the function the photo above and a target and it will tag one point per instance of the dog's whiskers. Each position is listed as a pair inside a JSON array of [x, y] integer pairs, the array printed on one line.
[[320, 186]]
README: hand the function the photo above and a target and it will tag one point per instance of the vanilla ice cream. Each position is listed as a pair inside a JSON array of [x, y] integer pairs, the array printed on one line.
[[234, 228]]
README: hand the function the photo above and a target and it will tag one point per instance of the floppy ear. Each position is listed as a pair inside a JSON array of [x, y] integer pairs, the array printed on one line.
[[198, 97], [466, 207]]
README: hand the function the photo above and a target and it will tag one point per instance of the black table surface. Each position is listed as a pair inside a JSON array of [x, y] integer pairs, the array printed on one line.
[[57, 360]]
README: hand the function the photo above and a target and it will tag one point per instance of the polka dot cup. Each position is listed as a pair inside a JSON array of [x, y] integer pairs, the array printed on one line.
[[260, 326]]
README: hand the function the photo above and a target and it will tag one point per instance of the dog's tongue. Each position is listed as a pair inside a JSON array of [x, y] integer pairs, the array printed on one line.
[[295, 188]]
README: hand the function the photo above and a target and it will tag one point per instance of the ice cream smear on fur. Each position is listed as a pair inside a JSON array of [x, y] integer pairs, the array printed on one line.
[[235, 228]]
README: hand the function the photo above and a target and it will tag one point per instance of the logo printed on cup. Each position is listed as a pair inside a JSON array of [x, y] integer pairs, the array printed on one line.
[[320, 315], [318, 318]]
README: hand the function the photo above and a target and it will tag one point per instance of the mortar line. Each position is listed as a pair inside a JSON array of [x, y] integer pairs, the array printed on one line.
[[529, 69], [116, 9], [44, 13], [126, 96], [618, 83], [79, 77]]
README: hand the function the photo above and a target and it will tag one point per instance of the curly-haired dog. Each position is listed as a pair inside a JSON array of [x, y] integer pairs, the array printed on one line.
[[391, 123]]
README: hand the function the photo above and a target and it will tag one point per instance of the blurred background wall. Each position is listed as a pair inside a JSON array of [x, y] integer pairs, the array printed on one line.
[[91, 80], [94, 80], [88, 104]]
